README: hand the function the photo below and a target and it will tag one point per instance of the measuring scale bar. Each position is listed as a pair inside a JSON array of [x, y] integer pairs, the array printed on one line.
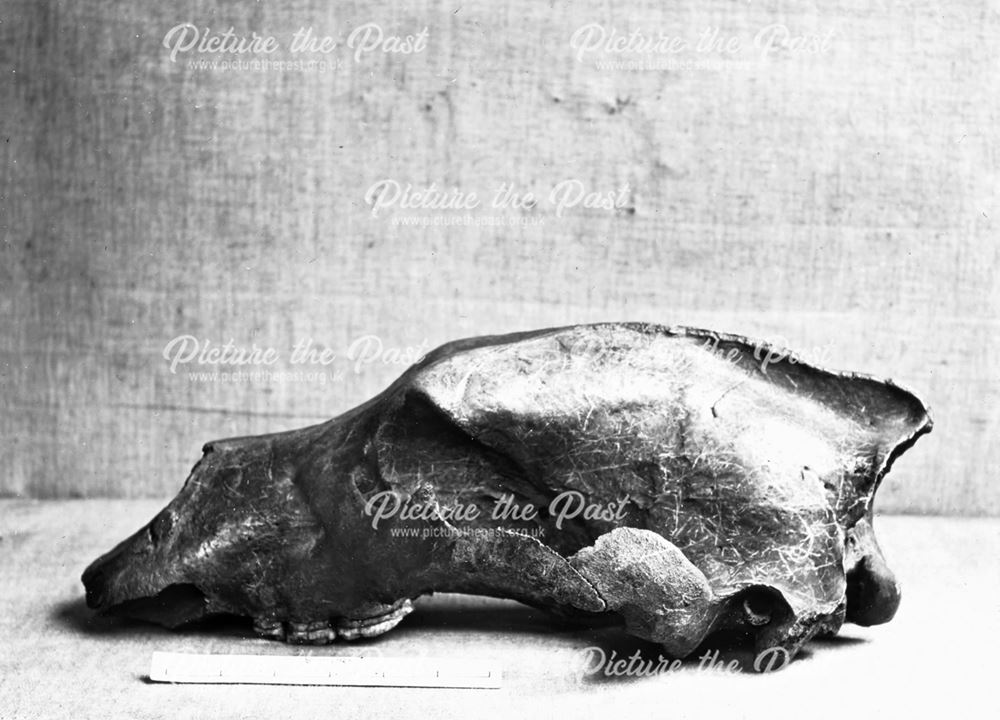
[[318, 670]]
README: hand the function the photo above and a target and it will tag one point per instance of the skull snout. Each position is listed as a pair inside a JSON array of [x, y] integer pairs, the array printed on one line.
[[128, 581], [95, 584], [126, 571], [104, 580]]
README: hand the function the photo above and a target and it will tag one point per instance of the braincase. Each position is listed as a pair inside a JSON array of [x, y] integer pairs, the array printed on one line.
[[612, 407]]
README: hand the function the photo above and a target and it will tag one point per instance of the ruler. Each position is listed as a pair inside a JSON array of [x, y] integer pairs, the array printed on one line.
[[323, 670]]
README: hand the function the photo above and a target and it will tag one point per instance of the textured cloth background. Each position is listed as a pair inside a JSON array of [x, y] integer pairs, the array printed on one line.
[[838, 196]]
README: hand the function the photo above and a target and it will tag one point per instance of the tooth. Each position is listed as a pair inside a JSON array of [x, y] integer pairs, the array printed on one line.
[[269, 628], [354, 628]]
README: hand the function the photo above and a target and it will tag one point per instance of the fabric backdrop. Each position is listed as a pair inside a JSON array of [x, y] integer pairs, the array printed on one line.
[[824, 176]]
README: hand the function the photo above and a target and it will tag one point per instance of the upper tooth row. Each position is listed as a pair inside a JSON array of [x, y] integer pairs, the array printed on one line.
[[322, 632], [317, 633]]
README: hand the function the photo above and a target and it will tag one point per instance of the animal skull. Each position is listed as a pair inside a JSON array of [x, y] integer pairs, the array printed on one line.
[[665, 475]]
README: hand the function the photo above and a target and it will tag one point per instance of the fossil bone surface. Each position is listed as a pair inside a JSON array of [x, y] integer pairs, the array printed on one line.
[[686, 481]]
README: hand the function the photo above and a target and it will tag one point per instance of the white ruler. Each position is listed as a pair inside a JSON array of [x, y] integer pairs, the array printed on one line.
[[323, 670]]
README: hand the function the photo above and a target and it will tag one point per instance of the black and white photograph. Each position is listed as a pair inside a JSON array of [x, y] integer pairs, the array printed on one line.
[[497, 358]]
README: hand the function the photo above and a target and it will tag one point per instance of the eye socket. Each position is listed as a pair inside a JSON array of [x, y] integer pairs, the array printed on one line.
[[161, 526]]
